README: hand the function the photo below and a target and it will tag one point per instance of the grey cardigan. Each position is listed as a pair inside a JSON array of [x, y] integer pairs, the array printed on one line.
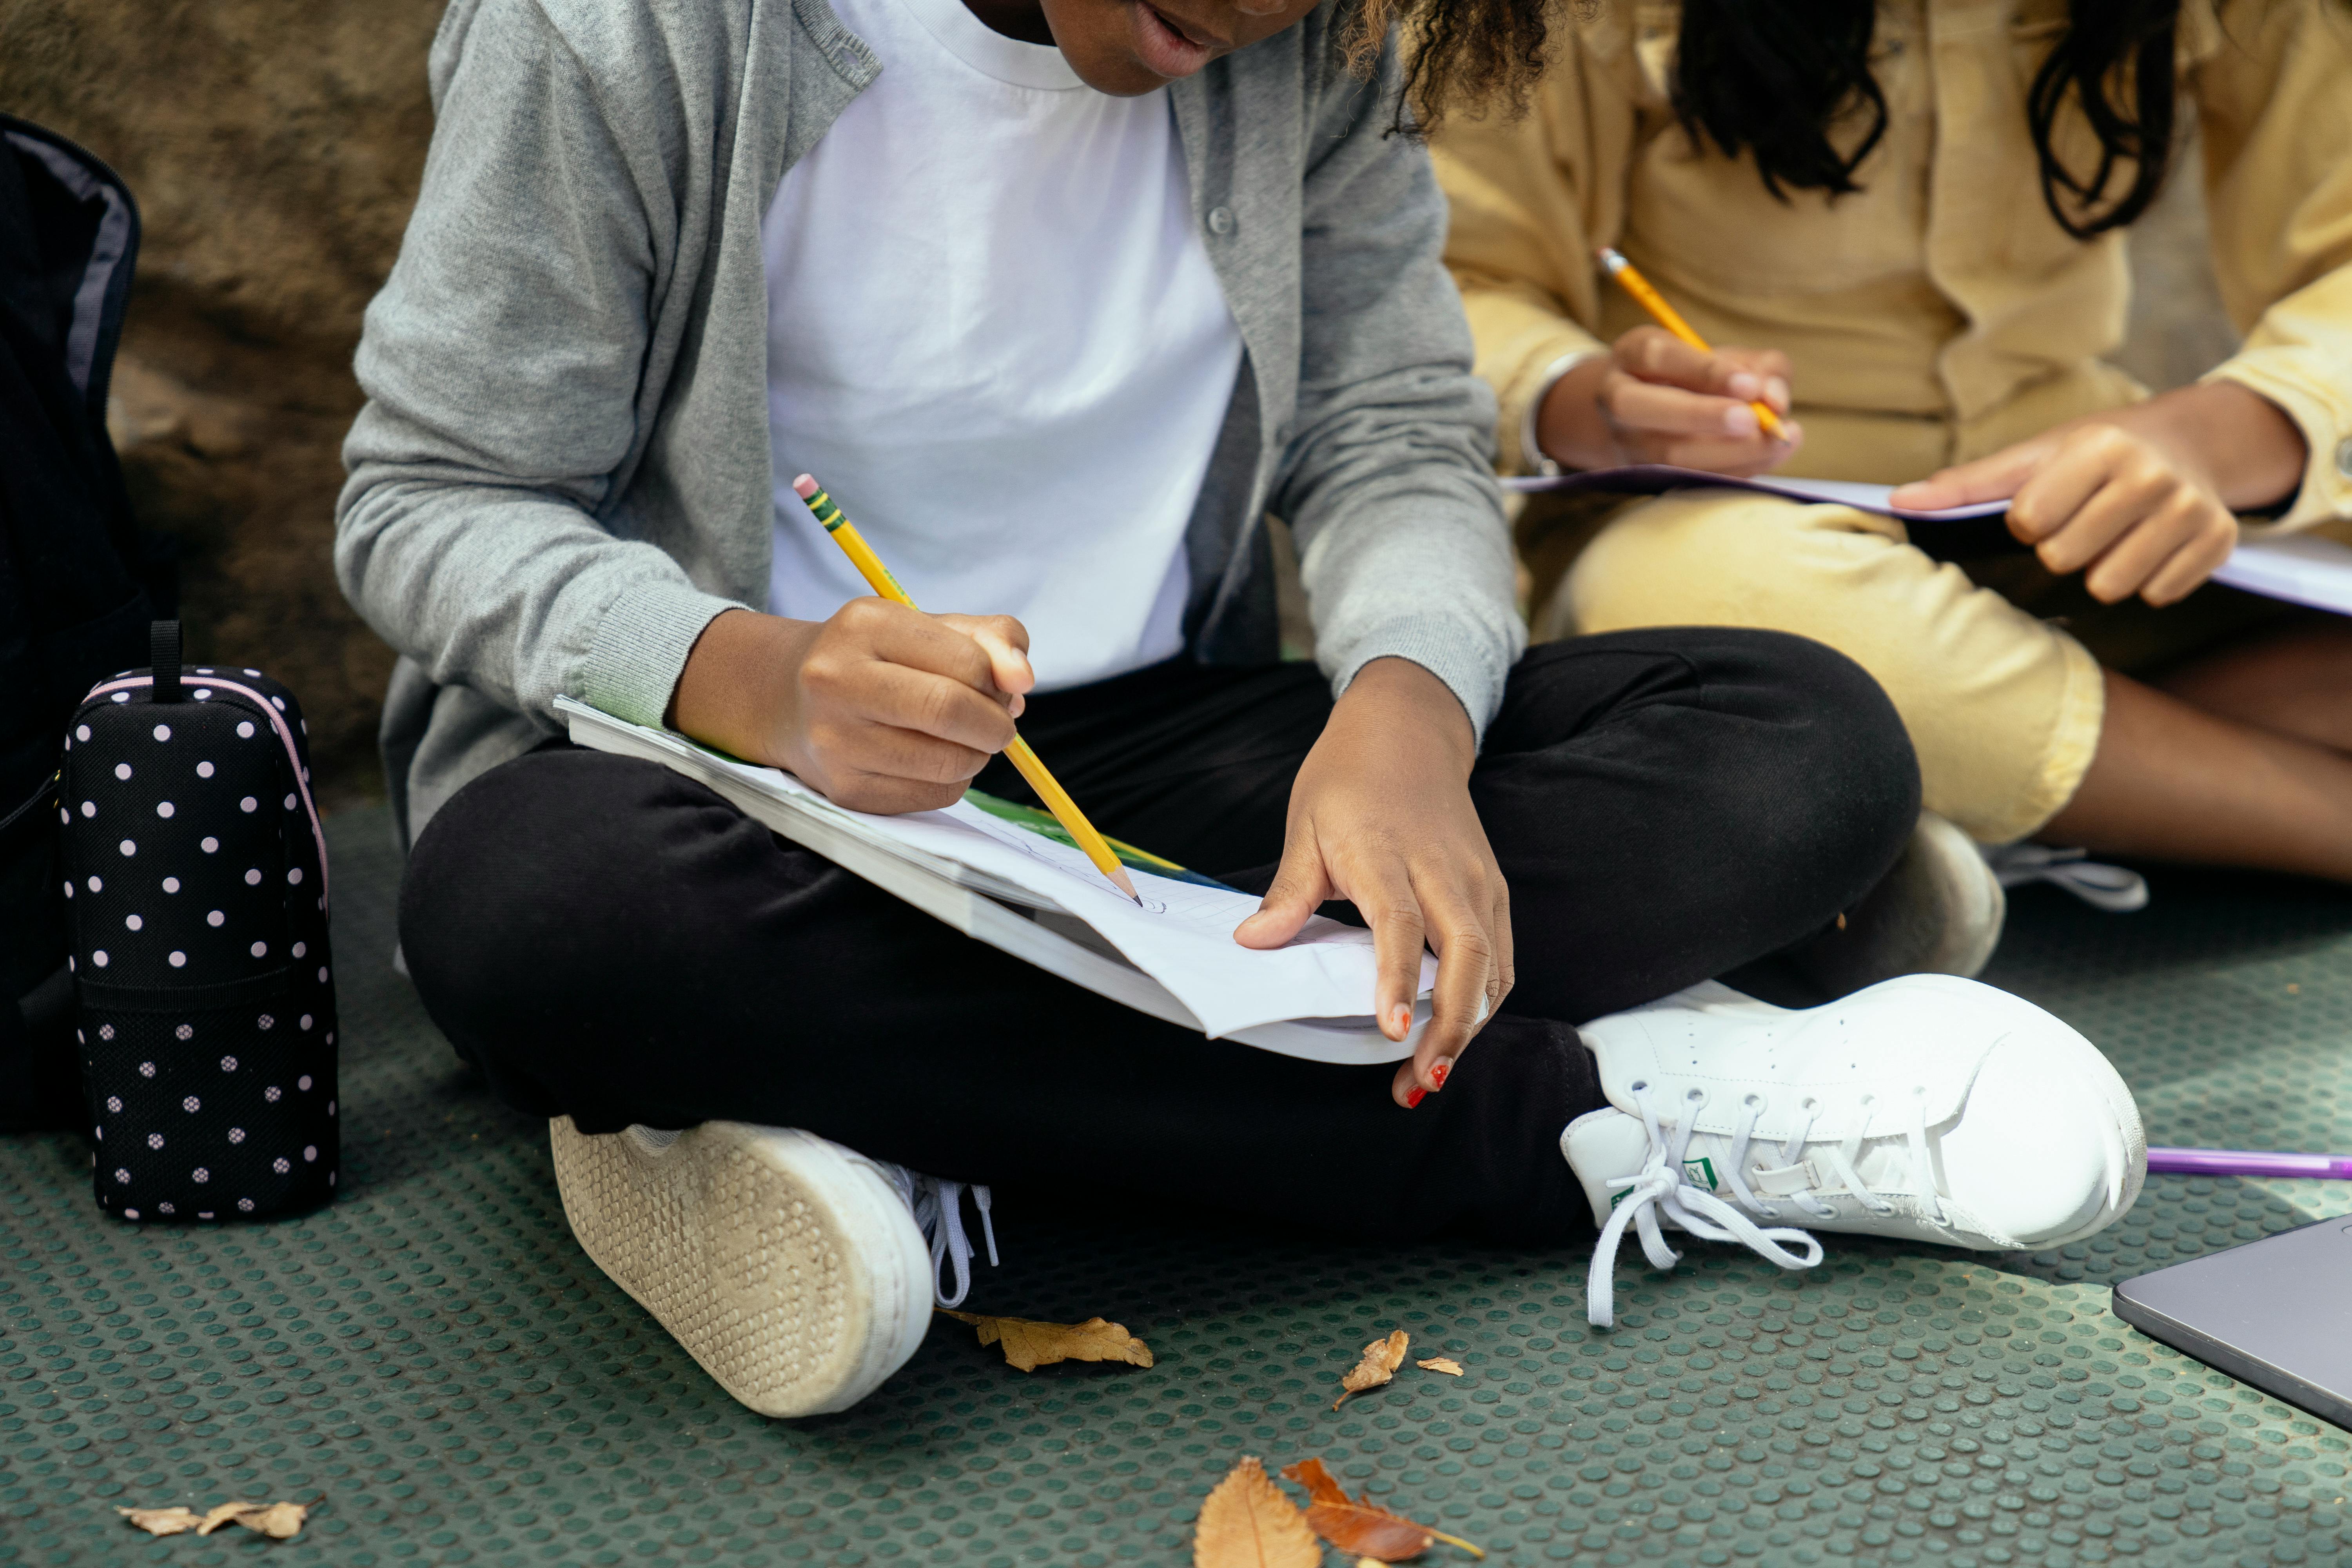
[[562, 471]]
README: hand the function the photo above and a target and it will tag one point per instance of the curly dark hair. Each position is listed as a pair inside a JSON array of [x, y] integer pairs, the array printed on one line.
[[1459, 52], [1789, 82]]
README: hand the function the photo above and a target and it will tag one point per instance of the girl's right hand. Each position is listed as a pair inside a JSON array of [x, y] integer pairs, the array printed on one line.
[[1653, 399], [882, 707]]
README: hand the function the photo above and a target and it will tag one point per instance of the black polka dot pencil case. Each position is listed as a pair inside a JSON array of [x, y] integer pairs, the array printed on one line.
[[196, 888]]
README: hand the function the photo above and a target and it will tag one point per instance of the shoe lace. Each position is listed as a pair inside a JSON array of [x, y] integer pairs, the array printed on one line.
[[1662, 1191], [938, 1206], [2115, 889]]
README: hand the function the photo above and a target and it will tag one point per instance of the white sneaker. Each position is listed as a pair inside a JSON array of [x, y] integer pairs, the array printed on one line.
[[1928, 1108], [796, 1271]]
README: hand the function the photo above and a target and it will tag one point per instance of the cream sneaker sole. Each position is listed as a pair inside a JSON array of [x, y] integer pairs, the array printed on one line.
[[787, 1265]]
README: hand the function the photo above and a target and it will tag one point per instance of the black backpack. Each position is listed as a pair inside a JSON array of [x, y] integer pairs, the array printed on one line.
[[73, 605]]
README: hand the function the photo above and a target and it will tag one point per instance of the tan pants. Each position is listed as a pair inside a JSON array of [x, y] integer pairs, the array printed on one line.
[[1993, 663]]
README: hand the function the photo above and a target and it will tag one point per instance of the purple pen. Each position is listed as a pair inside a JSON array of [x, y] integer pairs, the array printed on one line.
[[2247, 1162]]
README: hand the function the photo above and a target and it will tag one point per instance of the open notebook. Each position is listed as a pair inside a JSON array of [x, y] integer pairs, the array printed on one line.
[[1009, 877], [2299, 568]]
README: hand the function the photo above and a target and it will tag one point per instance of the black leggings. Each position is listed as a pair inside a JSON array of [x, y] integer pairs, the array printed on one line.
[[609, 941]]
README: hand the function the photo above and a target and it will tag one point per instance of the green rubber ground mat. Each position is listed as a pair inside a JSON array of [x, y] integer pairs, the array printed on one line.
[[435, 1359]]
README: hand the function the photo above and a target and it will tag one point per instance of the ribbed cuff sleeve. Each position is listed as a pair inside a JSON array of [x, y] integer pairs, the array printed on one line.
[[640, 649], [1469, 656]]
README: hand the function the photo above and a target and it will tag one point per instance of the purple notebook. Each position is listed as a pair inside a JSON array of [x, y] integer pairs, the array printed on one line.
[[2299, 568], [1656, 479]]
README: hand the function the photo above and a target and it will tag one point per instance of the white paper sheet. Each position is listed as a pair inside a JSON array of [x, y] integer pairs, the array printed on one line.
[[2296, 567], [1183, 936]]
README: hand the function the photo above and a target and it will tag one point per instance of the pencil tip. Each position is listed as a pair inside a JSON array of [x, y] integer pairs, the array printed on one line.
[[1124, 884]]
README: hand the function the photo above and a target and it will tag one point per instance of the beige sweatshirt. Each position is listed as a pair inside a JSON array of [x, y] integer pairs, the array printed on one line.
[[1942, 312]]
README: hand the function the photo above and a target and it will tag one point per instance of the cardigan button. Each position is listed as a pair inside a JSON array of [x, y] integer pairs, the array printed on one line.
[[2343, 456], [1220, 220]]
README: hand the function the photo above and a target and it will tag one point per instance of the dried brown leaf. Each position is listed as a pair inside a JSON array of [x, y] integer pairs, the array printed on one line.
[[1320, 1484], [1360, 1526], [1445, 1363], [226, 1514], [1246, 1522], [162, 1520], [282, 1521], [1029, 1345], [279, 1520], [1382, 1358]]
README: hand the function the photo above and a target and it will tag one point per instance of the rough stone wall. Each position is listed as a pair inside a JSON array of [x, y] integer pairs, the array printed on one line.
[[274, 147]]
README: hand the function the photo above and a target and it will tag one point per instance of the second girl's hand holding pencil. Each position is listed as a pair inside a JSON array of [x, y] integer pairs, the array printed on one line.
[[1666, 316], [1049, 790]]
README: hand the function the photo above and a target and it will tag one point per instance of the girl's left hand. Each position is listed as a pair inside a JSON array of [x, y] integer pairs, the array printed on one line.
[[1381, 814], [2139, 501]]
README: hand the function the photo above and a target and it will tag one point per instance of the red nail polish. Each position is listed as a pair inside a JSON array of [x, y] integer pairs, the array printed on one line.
[[1414, 1095], [1438, 1069]]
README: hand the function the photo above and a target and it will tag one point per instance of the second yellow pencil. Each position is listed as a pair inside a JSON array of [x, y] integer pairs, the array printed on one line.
[[1669, 318], [1049, 789]]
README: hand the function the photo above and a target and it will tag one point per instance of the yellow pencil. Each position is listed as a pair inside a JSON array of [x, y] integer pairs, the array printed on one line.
[[1650, 299], [1049, 790]]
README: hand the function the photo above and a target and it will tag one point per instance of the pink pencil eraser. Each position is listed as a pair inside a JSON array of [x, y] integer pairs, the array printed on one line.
[[804, 487]]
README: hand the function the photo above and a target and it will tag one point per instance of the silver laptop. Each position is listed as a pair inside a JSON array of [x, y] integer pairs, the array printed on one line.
[[2276, 1313]]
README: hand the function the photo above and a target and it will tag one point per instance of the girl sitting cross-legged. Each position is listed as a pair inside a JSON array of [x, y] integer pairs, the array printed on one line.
[[1061, 298]]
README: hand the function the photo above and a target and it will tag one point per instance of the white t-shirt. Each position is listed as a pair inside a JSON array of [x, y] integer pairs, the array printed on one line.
[[996, 338]]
